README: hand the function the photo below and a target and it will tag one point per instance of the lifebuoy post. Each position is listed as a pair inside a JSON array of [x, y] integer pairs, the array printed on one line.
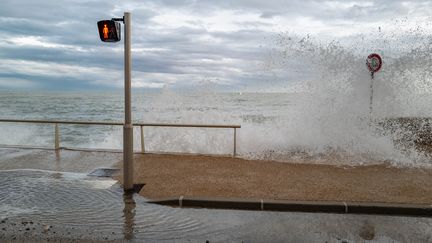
[[374, 64]]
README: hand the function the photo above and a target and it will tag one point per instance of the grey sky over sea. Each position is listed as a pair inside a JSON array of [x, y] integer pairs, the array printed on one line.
[[54, 44]]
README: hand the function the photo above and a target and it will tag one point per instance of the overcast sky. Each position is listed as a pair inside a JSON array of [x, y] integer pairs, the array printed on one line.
[[52, 44]]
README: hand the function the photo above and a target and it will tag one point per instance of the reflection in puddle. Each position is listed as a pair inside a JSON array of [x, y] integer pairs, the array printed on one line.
[[42, 205], [128, 214]]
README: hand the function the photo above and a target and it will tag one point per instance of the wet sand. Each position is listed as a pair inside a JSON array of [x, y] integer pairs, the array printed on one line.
[[225, 177]]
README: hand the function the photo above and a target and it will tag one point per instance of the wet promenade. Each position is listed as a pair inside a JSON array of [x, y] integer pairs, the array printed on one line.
[[46, 195]]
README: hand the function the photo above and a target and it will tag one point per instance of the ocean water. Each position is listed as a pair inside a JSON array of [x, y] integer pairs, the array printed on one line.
[[161, 107], [280, 126]]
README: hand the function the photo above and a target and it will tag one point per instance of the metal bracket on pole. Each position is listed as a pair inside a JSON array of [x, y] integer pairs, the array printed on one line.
[[118, 19]]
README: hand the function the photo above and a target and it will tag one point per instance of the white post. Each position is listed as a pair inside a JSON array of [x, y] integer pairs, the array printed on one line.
[[142, 140], [235, 142], [128, 127]]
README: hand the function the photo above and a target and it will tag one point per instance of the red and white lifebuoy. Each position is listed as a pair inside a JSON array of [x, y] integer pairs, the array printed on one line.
[[374, 62]]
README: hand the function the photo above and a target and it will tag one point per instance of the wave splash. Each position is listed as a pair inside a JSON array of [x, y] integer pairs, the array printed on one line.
[[319, 114]]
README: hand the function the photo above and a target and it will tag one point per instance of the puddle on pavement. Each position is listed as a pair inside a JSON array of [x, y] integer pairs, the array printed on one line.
[[45, 205], [62, 160], [73, 203], [7, 153]]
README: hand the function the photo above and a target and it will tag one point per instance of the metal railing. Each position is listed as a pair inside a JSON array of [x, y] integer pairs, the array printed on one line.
[[141, 125]]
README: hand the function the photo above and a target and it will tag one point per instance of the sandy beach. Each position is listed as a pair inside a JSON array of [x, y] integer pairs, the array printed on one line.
[[225, 177]]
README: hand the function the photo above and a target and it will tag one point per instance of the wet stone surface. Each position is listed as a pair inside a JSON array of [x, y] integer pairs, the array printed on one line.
[[104, 172], [24, 230], [63, 160], [48, 205], [367, 231]]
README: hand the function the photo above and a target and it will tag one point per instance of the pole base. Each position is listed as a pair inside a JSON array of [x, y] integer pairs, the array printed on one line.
[[136, 188], [128, 159]]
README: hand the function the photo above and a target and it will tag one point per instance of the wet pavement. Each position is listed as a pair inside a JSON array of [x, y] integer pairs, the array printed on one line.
[[62, 160], [40, 205]]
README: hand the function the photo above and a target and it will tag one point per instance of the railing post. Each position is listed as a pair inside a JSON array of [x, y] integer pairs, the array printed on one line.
[[235, 142], [56, 137], [142, 140]]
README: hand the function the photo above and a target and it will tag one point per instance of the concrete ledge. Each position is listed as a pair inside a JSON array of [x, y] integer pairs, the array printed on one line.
[[244, 204], [299, 206], [390, 209], [304, 206]]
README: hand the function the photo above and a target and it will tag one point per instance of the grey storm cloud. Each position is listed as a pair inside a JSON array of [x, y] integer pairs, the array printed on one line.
[[175, 42]]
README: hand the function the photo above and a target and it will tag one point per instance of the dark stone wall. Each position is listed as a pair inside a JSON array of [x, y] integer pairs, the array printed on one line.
[[407, 130]]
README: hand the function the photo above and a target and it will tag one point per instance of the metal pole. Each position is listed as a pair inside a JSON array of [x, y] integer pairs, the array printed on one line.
[[142, 140], [128, 127], [56, 137], [371, 96], [235, 142]]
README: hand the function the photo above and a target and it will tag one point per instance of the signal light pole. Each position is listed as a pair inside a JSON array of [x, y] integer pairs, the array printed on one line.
[[128, 126], [109, 31]]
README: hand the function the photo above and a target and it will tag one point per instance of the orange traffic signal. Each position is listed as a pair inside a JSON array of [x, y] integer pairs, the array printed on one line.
[[105, 31], [109, 31]]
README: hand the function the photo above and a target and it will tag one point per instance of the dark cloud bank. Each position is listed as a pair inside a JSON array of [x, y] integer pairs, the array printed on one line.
[[54, 44]]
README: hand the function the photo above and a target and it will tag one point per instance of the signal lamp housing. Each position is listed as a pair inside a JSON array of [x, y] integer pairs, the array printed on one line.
[[109, 31]]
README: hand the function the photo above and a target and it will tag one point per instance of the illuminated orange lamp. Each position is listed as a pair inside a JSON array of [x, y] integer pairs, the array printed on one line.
[[105, 31], [109, 31]]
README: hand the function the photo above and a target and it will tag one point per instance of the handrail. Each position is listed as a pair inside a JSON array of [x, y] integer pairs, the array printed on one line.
[[61, 122], [185, 125], [119, 123], [107, 123]]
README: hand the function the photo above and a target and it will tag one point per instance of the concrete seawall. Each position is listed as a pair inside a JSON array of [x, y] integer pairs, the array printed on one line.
[[421, 210]]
